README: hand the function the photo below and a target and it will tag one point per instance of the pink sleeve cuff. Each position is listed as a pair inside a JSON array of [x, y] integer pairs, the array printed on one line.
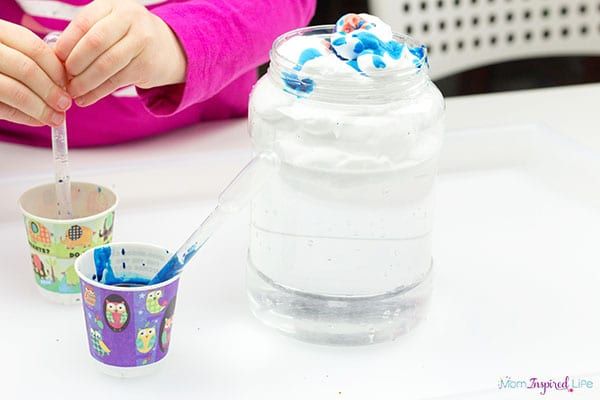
[[169, 100], [222, 40]]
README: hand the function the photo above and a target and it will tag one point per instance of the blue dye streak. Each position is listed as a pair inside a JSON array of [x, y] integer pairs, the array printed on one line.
[[378, 62], [418, 52], [293, 81], [353, 64], [307, 55], [106, 275], [368, 41], [102, 263], [339, 41]]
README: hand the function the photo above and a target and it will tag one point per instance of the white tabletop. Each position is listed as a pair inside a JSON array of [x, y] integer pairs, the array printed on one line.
[[515, 248], [215, 151]]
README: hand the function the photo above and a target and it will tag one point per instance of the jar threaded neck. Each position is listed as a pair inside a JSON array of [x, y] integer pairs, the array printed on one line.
[[387, 85]]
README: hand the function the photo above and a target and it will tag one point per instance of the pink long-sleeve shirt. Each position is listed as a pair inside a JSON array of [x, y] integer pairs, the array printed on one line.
[[224, 41]]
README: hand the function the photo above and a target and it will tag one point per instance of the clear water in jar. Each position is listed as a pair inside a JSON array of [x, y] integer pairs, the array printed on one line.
[[343, 257]]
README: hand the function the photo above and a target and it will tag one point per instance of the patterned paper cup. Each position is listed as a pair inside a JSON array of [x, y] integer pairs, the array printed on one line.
[[128, 328], [56, 243]]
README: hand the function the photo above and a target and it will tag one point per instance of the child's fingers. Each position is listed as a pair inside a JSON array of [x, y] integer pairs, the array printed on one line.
[[82, 23], [14, 94], [26, 71], [107, 65], [11, 114], [123, 78], [26, 42], [101, 37]]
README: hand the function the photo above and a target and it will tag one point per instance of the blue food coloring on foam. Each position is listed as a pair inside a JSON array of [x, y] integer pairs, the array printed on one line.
[[420, 57], [378, 62], [339, 41], [293, 82], [353, 64], [307, 55], [418, 52], [105, 274], [368, 41]]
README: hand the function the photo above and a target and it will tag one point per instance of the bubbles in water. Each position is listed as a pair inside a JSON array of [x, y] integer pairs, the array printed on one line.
[[371, 335]]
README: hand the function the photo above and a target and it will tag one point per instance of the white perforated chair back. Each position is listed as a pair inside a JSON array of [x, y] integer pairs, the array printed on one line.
[[464, 34]]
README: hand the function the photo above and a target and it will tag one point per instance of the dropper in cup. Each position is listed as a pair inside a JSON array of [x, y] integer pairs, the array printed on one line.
[[60, 151], [242, 189]]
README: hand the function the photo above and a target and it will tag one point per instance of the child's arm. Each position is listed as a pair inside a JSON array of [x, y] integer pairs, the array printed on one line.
[[183, 52], [223, 39]]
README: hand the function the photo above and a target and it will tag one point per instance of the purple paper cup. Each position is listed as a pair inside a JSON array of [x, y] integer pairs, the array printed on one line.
[[128, 328]]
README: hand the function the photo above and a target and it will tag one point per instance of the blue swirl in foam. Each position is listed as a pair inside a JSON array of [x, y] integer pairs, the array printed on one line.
[[309, 54], [293, 82], [368, 41], [297, 85], [364, 42]]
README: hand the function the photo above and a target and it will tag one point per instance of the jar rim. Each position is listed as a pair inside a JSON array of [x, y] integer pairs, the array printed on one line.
[[397, 79]]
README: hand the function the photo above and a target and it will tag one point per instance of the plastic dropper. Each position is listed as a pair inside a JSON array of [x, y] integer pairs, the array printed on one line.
[[244, 187], [60, 151]]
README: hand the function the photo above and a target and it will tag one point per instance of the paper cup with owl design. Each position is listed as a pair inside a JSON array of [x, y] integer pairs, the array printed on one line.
[[55, 243], [128, 327]]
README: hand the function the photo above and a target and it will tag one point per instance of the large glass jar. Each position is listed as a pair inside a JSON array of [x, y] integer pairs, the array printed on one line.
[[340, 243]]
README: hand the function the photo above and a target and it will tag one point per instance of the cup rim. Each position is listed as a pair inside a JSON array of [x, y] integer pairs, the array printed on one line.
[[70, 220], [101, 285]]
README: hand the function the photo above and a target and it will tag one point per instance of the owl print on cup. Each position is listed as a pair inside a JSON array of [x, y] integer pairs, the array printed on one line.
[[116, 312], [89, 296], [155, 303], [145, 340], [98, 344]]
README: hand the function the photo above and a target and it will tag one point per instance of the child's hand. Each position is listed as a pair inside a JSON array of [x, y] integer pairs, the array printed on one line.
[[31, 78], [116, 43]]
